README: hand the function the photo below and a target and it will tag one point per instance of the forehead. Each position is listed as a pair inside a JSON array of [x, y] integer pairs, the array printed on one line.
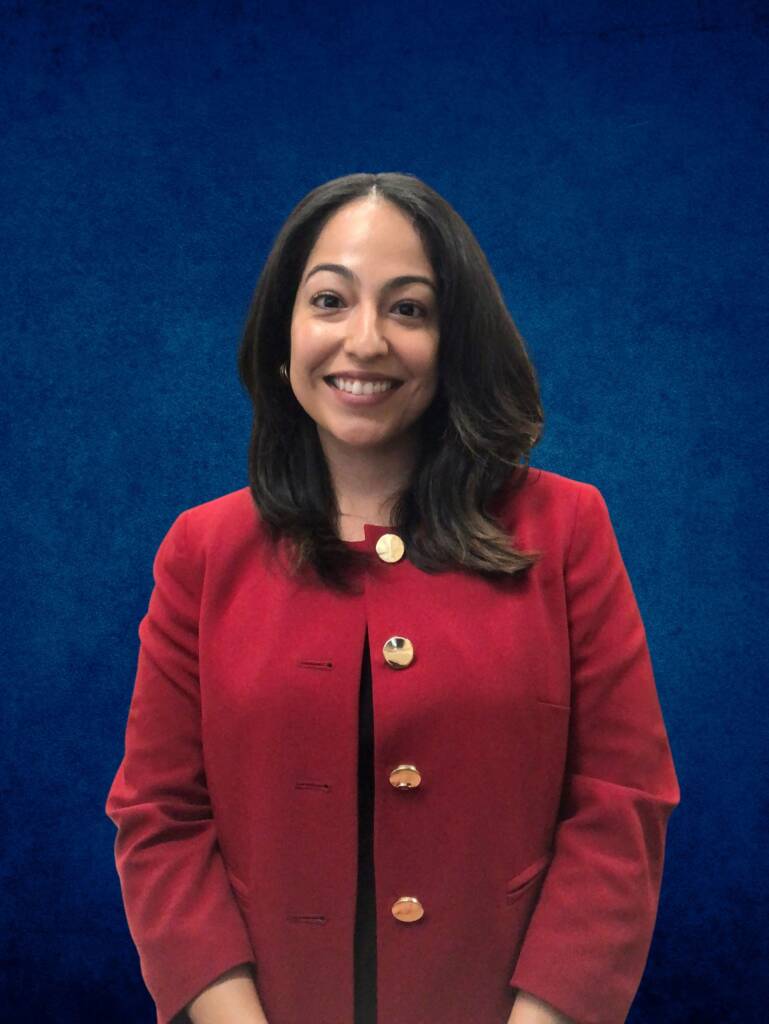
[[370, 228]]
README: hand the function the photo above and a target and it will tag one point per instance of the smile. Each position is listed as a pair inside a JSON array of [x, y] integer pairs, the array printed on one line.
[[362, 387], [358, 392]]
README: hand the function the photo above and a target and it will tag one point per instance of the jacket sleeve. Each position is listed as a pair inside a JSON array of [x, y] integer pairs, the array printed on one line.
[[179, 905], [587, 942]]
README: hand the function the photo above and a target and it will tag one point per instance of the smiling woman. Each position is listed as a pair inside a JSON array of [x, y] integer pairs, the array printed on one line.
[[420, 772], [376, 277]]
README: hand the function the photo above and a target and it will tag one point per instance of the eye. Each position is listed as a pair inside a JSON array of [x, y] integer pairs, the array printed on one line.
[[404, 302], [414, 305], [323, 295]]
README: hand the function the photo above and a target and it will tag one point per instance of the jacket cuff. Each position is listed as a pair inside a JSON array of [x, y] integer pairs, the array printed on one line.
[[171, 999]]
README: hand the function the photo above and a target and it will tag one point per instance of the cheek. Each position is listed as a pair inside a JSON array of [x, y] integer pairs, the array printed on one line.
[[304, 345], [429, 389], [426, 370]]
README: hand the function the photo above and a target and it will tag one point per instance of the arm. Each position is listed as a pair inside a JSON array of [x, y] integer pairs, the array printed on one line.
[[180, 908], [587, 942], [231, 999], [527, 1009]]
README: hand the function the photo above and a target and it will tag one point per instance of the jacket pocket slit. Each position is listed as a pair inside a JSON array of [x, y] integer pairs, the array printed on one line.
[[516, 886]]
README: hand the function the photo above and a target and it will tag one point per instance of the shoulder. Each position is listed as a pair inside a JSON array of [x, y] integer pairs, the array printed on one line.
[[544, 484], [545, 493], [224, 523], [543, 511], [231, 511]]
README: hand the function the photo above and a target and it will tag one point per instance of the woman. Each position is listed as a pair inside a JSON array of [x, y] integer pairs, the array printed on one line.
[[394, 750]]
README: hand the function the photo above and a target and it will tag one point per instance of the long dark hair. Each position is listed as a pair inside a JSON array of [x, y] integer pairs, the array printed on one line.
[[486, 414]]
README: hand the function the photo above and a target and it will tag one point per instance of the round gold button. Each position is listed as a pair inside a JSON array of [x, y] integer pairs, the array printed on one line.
[[407, 909], [390, 547], [405, 776], [398, 652]]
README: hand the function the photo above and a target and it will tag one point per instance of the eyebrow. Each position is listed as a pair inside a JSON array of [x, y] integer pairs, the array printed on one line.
[[394, 282]]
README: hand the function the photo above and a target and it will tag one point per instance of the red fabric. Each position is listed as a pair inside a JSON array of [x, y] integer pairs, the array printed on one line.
[[535, 842]]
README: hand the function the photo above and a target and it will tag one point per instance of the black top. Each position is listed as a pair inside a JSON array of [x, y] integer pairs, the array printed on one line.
[[365, 909]]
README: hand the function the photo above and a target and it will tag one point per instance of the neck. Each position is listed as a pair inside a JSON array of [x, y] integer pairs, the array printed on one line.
[[367, 481]]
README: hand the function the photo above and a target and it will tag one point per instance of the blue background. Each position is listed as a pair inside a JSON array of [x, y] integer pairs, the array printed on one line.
[[611, 159]]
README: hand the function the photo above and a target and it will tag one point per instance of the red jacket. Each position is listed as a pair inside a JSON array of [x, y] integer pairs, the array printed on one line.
[[533, 844]]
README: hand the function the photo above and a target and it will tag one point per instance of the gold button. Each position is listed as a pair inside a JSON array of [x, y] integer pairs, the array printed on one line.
[[398, 652], [390, 547], [408, 909], [405, 776]]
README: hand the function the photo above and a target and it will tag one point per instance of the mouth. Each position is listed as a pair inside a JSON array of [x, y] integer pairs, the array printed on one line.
[[348, 386]]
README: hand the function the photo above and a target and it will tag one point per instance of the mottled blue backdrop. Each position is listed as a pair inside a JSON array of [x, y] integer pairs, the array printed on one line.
[[612, 161]]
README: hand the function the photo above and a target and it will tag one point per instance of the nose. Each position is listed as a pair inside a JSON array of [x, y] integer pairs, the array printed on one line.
[[365, 338]]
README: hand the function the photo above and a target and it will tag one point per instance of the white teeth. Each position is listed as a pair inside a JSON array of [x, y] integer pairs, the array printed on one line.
[[358, 387]]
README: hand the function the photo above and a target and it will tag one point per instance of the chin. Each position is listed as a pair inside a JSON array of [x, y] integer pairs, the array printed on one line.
[[359, 441], [356, 438]]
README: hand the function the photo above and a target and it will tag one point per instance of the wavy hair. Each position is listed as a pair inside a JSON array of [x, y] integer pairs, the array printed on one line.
[[485, 417]]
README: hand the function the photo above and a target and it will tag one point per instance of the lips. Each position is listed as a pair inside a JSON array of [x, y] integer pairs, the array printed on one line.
[[373, 379], [358, 397], [359, 387]]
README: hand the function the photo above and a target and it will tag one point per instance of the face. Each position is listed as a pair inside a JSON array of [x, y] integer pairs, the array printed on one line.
[[357, 320]]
